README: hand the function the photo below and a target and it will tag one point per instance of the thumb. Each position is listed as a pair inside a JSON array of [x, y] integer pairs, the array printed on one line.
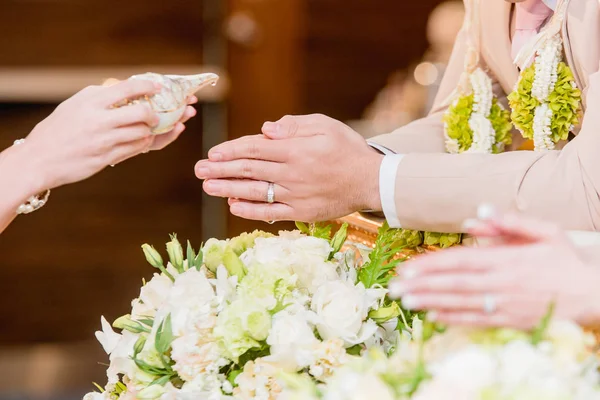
[[296, 126]]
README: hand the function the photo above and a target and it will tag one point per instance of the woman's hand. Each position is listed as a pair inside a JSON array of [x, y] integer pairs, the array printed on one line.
[[85, 134], [510, 283]]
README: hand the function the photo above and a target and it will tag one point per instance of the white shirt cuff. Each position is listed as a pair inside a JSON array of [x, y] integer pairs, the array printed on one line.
[[382, 149], [387, 188]]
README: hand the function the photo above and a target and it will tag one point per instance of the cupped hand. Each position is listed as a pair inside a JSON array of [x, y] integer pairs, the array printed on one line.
[[321, 169], [85, 133], [510, 283]]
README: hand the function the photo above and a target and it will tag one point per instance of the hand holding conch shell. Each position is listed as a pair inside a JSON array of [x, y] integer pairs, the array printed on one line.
[[170, 103]]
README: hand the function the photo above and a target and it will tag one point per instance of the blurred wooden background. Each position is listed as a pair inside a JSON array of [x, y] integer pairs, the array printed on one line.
[[79, 257]]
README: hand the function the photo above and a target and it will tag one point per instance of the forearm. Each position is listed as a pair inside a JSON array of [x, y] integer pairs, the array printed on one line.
[[20, 178]]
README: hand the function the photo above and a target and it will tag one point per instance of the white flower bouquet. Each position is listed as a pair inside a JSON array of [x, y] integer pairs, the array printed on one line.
[[558, 361], [231, 320]]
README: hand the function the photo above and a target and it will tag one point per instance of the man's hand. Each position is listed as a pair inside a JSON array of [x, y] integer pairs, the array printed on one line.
[[321, 169]]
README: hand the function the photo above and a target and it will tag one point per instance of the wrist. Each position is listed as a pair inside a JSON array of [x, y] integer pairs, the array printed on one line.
[[26, 174], [371, 199]]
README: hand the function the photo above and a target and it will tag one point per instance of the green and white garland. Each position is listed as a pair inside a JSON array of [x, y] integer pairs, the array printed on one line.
[[476, 122], [546, 101]]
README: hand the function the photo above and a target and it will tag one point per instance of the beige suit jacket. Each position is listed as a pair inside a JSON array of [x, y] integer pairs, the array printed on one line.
[[437, 192]]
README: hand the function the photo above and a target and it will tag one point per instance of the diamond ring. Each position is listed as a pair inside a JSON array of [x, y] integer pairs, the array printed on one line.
[[489, 304]]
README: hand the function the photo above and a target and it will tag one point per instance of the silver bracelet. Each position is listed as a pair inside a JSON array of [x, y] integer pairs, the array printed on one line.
[[35, 202]]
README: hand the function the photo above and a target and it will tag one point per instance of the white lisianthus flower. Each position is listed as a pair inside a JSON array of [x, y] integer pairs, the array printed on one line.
[[342, 310], [225, 287], [97, 396], [154, 293], [119, 347], [141, 310], [292, 340], [108, 338]]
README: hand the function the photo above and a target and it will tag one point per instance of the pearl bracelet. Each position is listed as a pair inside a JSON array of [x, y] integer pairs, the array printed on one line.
[[35, 202]]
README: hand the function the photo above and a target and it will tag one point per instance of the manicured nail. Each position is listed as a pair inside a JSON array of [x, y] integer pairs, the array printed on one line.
[[397, 288], [486, 212], [470, 224], [215, 156], [432, 316], [410, 302], [408, 272], [271, 127]]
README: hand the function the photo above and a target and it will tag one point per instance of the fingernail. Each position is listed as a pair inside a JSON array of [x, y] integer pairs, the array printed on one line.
[[470, 224], [410, 302], [432, 316], [408, 272], [271, 127], [396, 288], [202, 172], [215, 156], [158, 87], [486, 212]]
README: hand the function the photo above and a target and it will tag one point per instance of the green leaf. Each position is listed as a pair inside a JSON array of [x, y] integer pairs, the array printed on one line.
[[354, 350], [379, 269], [234, 374], [320, 231], [164, 335], [149, 369], [199, 260], [302, 227], [538, 333], [191, 255]]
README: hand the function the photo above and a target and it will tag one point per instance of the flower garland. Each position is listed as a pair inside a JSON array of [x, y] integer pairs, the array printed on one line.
[[546, 101], [476, 122]]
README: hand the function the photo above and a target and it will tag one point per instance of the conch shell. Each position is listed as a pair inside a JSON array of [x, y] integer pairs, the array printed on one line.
[[170, 103]]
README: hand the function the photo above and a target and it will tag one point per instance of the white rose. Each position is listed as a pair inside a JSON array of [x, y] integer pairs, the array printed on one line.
[[154, 293], [342, 309], [291, 340]]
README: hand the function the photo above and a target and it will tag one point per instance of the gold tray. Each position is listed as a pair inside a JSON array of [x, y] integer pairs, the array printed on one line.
[[362, 229]]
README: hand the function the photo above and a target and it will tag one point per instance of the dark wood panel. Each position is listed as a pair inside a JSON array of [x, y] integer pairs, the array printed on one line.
[[352, 46], [100, 32]]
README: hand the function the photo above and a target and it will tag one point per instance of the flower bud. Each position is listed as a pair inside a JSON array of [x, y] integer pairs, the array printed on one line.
[[152, 256], [233, 264], [127, 324], [384, 314], [175, 252]]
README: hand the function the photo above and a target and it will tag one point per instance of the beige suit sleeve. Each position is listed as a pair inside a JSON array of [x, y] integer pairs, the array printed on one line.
[[439, 191], [426, 135]]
